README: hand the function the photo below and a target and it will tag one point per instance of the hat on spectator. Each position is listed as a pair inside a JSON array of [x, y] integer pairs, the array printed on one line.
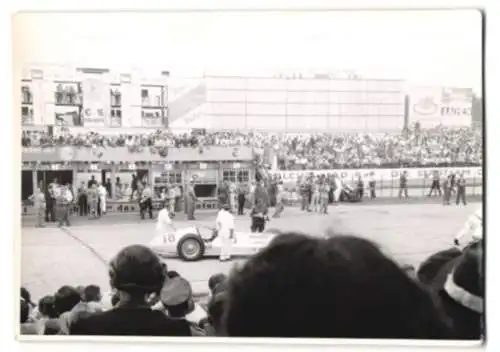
[[434, 270], [175, 291], [464, 284]]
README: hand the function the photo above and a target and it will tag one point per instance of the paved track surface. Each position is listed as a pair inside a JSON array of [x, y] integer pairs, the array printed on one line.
[[52, 257]]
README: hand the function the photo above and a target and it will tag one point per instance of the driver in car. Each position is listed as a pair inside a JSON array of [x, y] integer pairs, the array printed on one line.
[[224, 225], [164, 223]]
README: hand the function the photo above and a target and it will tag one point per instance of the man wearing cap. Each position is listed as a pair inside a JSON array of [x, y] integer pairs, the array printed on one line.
[[472, 230], [224, 224], [176, 300], [135, 273], [191, 200]]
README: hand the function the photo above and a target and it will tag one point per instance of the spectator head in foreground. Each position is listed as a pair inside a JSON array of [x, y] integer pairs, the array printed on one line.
[[27, 327], [92, 293], [26, 296], [47, 308], [135, 274], [66, 298], [216, 280], [216, 307], [462, 294], [337, 287], [177, 297], [25, 311]]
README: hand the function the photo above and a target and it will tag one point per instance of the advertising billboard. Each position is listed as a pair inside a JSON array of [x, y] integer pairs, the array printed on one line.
[[432, 106], [96, 102]]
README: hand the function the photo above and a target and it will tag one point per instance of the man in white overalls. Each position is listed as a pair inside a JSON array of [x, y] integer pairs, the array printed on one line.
[[102, 192], [338, 189], [224, 224]]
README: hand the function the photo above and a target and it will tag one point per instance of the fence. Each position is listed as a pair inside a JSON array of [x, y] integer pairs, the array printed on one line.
[[390, 189], [387, 180]]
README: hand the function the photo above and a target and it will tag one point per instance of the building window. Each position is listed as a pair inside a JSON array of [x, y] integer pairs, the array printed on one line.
[[116, 97], [164, 179], [144, 97], [68, 94], [236, 176], [26, 115], [152, 117], [116, 117], [27, 96]]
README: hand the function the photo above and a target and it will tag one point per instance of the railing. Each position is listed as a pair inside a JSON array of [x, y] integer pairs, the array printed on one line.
[[127, 207]]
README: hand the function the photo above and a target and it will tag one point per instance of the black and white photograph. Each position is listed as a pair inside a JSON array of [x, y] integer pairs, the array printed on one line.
[[251, 174]]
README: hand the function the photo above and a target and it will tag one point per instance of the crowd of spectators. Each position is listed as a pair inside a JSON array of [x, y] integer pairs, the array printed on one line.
[[439, 146], [334, 286]]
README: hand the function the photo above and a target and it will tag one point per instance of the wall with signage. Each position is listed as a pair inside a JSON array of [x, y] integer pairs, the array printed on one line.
[[386, 174], [431, 106], [123, 154]]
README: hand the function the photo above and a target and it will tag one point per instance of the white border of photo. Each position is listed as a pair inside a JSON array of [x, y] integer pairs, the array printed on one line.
[[10, 212]]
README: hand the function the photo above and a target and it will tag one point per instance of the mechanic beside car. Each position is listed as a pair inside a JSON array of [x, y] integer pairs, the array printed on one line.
[[224, 225], [164, 222]]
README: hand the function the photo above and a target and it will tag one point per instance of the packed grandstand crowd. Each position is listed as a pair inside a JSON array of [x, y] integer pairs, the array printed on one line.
[[298, 286], [439, 146]]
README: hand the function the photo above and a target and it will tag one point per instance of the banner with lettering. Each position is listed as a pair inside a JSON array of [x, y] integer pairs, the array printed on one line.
[[431, 106], [96, 102], [381, 174]]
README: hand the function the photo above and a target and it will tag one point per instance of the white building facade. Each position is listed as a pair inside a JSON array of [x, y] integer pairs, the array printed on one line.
[[92, 97]]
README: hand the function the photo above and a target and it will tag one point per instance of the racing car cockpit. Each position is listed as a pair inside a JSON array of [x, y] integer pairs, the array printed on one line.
[[213, 236]]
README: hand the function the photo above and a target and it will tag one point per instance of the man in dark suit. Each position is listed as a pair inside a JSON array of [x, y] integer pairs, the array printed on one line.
[[260, 208], [135, 273]]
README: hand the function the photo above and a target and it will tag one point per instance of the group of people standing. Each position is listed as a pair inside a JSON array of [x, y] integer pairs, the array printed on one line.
[[52, 203], [451, 184], [318, 191], [92, 199]]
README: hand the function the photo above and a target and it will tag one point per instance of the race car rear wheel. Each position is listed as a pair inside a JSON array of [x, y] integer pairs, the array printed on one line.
[[191, 248]]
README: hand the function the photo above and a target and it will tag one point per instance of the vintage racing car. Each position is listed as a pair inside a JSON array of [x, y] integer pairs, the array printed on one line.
[[194, 243], [349, 195]]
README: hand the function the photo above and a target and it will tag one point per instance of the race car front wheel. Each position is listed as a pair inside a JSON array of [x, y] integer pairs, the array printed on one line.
[[191, 248]]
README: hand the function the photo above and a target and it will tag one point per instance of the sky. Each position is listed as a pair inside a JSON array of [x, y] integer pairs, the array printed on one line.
[[423, 47]]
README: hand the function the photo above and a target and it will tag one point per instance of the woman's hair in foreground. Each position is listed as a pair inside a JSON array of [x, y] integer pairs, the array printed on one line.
[[342, 286]]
